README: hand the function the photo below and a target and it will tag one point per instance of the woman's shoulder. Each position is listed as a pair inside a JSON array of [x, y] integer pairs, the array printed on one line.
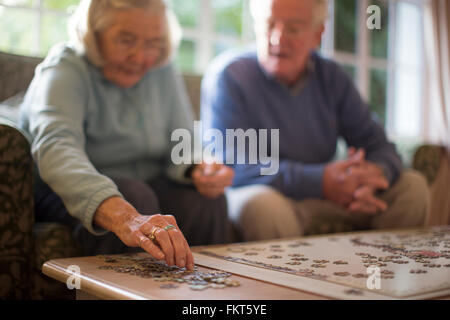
[[66, 59]]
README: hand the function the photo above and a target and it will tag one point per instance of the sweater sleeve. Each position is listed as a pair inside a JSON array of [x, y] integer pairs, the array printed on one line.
[[56, 107], [225, 106], [361, 130]]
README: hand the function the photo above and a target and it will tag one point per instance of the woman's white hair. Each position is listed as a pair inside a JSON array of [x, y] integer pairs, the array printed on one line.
[[261, 9], [93, 16]]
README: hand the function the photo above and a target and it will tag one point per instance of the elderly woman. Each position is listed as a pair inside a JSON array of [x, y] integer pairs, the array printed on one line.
[[101, 110]]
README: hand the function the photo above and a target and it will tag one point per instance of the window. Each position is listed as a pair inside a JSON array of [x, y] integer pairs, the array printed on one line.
[[386, 64], [32, 27], [210, 27], [408, 70]]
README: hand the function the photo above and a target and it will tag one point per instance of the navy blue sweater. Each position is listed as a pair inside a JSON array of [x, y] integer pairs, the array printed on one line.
[[236, 93]]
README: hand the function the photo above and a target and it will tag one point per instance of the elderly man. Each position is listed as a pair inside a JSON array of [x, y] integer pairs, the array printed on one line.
[[285, 84]]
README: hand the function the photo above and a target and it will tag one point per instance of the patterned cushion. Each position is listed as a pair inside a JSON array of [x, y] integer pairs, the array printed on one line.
[[427, 160], [16, 215], [52, 241], [24, 245]]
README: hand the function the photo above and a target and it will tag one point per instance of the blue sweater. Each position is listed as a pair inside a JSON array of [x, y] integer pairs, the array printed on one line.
[[86, 129], [237, 93]]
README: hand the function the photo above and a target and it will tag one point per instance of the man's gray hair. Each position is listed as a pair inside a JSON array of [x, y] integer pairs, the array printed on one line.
[[93, 16], [261, 8]]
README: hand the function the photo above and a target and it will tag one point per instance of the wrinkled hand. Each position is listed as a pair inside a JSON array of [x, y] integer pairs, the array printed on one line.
[[338, 185], [352, 183], [169, 245], [365, 201], [212, 179], [372, 179], [134, 229]]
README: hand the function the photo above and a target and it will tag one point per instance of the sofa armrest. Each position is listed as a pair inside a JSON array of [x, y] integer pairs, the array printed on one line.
[[427, 160], [16, 214]]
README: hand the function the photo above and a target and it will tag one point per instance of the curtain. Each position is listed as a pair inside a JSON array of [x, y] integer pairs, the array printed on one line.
[[437, 56], [437, 102], [439, 213]]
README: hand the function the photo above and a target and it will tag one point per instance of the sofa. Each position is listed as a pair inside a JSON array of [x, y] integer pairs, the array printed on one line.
[[26, 245]]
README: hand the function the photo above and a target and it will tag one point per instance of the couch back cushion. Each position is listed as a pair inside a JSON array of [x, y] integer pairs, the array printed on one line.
[[193, 86], [16, 73]]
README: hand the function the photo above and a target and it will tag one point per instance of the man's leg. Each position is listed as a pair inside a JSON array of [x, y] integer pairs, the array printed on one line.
[[203, 221], [408, 203], [320, 216], [260, 212]]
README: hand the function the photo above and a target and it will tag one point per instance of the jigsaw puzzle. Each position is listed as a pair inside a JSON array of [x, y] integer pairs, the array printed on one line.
[[411, 264]]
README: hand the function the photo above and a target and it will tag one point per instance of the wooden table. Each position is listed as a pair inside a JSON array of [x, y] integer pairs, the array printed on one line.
[[109, 285]]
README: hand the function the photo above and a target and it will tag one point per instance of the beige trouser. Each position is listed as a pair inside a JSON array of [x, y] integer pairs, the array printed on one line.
[[260, 212]]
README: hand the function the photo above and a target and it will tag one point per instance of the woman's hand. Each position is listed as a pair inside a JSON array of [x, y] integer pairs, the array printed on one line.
[[212, 179], [136, 230]]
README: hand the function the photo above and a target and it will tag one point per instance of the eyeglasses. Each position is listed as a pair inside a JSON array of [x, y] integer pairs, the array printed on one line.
[[129, 44]]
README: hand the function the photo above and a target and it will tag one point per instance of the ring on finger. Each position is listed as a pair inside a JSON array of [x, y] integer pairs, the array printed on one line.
[[152, 233], [168, 227]]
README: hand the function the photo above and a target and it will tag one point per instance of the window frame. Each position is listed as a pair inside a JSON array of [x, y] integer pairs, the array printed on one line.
[[363, 62], [204, 35], [39, 11]]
